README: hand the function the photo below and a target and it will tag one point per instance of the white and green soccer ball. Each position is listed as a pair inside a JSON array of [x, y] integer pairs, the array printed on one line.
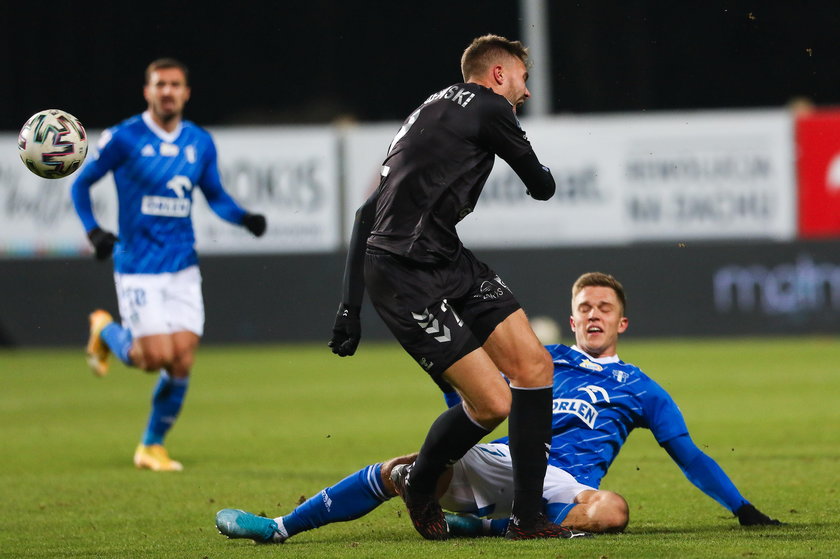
[[52, 144]]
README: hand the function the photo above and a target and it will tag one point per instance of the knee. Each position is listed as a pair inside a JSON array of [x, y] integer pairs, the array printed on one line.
[[491, 410], [531, 369], [610, 512], [153, 359]]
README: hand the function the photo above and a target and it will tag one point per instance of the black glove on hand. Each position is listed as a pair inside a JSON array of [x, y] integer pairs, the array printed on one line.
[[347, 330], [103, 242], [255, 223], [748, 515]]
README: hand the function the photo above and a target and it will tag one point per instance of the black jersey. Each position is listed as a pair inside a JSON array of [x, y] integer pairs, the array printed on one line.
[[436, 169]]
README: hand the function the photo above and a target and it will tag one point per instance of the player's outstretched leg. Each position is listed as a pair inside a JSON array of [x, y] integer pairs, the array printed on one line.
[[235, 523], [424, 509], [97, 352]]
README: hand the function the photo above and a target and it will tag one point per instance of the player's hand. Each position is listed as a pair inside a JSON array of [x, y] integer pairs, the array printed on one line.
[[748, 515], [347, 330], [255, 223], [103, 242]]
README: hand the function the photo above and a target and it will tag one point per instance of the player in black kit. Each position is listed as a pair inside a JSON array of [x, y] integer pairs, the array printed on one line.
[[450, 311]]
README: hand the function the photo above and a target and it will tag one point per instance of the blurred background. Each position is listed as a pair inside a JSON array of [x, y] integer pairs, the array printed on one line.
[[693, 144], [317, 61]]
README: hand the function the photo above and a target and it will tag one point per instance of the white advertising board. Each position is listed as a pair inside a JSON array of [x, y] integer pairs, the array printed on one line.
[[623, 179], [669, 177], [288, 174]]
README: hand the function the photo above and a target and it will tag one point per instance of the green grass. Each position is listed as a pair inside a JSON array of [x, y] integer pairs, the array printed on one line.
[[265, 426]]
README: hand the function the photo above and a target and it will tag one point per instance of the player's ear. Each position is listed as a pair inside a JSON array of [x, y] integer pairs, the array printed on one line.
[[623, 324], [572, 323], [499, 74]]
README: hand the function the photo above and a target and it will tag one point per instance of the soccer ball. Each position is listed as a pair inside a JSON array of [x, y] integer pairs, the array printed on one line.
[[52, 144]]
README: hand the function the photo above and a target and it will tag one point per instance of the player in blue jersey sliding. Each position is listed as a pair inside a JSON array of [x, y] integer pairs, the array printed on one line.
[[598, 401], [157, 160]]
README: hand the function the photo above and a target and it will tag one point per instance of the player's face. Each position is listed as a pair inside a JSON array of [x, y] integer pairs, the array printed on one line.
[[597, 320], [166, 93], [515, 90]]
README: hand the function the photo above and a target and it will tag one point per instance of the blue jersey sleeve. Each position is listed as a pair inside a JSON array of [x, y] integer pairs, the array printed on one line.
[[211, 185], [704, 472], [661, 414], [112, 151]]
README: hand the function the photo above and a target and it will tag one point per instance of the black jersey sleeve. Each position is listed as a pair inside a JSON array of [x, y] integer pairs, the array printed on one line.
[[353, 284], [500, 129], [536, 176]]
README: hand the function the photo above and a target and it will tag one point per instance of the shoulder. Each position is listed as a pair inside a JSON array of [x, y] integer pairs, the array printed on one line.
[[193, 130], [123, 133]]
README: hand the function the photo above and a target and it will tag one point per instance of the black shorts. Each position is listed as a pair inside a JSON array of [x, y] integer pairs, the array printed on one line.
[[438, 312]]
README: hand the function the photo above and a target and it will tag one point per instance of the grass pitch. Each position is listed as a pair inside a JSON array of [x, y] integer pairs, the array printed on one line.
[[264, 427]]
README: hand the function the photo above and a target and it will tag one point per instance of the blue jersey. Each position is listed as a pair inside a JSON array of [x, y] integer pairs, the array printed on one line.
[[597, 403], [155, 173]]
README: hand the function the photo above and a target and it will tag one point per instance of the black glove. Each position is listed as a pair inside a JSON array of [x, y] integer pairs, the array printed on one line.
[[347, 330], [748, 515], [255, 223], [103, 243]]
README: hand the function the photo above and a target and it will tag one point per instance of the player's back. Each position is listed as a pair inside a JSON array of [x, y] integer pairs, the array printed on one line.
[[436, 168]]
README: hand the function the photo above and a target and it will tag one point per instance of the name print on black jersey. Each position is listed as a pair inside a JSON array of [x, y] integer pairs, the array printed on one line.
[[454, 93]]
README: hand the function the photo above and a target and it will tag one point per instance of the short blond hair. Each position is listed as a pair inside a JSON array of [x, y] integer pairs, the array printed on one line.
[[600, 279], [486, 50]]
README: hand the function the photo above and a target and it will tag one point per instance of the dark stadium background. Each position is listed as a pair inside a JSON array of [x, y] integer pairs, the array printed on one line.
[[320, 60]]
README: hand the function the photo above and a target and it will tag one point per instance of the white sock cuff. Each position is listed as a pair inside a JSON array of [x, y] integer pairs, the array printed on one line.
[[472, 419]]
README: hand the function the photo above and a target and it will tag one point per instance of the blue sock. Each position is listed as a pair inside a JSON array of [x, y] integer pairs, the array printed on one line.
[[498, 526], [353, 497], [557, 512], [118, 340], [167, 400]]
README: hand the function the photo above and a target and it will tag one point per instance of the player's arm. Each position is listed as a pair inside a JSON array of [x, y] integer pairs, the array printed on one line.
[[501, 131], [536, 176], [222, 203], [110, 155], [709, 477], [347, 329]]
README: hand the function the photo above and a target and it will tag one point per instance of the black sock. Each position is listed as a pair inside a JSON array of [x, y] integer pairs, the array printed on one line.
[[451, 435], [529, 428]]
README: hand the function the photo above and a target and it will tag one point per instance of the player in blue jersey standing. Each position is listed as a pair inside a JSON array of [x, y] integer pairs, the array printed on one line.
[[157, 159], [598, 400]]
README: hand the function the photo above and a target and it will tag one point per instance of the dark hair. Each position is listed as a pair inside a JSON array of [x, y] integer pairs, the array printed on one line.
[[486, 50], [599, 279], [166, 63]]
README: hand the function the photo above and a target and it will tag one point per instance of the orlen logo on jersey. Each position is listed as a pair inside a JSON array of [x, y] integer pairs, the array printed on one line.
[[585, 411], [170, 207]]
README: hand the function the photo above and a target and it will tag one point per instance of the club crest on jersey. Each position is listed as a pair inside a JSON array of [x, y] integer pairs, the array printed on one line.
[[587, 364], [620, 376], [189, 151]]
